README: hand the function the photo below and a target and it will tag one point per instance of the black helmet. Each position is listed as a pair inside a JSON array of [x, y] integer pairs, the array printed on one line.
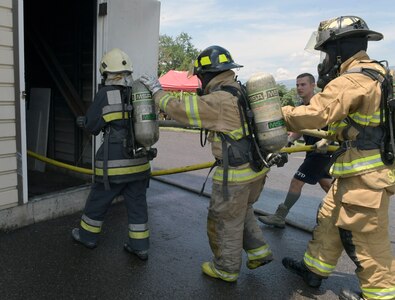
[[214, 59], [341, 27]]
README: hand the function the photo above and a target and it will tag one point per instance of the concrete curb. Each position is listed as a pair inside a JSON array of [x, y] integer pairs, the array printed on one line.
[[44, 207]]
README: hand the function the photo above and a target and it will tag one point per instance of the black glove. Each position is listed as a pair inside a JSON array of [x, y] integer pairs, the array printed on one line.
[[278, 159], [282, 160]]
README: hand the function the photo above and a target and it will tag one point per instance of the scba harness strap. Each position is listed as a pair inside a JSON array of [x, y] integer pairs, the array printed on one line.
[[236, 152], [369, 137], [124, 136]]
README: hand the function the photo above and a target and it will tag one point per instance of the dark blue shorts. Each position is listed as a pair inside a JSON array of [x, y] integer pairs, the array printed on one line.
[[313, 169]]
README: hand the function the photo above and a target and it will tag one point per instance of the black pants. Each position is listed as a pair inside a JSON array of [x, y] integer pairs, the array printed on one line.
[[99, 201]]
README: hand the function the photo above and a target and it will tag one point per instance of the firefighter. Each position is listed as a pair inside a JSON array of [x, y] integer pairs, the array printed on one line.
[[231, 224], [121, 166], [354, 213]]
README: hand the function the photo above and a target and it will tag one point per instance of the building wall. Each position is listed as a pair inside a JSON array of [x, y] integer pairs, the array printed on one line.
[[8, 159]]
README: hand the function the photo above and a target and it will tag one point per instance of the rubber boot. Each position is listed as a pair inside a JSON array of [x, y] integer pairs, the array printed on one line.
[[76, 233], [209, 269], [253, 264], [141, 254], [349, 295], [278, 219], [299, 268]]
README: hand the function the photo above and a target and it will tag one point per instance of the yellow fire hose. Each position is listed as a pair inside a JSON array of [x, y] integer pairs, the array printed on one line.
[[163, 172]]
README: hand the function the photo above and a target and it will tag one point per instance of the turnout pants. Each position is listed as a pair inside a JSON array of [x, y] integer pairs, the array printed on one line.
[[354, 217], [232, 226], [98, 202]]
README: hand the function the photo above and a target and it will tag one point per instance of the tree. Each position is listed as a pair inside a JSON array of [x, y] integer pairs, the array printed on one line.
[[176, 53]]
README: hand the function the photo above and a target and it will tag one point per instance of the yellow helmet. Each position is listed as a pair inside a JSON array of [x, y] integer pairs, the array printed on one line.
[[115, 61]]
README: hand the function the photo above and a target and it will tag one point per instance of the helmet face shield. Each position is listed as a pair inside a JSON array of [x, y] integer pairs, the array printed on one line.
[[191, 69], [311, 42]]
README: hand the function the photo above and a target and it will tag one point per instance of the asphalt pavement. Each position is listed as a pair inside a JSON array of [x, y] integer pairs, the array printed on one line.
[[42, 261]]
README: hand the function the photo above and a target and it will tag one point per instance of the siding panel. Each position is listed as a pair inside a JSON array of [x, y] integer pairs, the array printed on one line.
[[8, 163], [7, 129], [6, 37], [6, 56], [8, 160], [8, 197], [6, 3], [6, 75], [7, 147], [7, 94], [5, 18], [7, 112], [8, 180]]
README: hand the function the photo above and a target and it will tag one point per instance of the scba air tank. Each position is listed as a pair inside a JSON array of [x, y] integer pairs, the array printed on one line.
[[145, 121], [266, 106]]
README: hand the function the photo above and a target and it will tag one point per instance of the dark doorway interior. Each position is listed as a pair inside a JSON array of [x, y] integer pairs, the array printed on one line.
[[59, 57]]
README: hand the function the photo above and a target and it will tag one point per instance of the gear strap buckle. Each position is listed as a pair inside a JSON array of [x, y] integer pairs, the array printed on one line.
[[348, 144]]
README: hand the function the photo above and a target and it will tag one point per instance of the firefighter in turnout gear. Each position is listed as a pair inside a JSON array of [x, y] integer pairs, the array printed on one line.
[[231, 224], [354, 213], [121, 166]]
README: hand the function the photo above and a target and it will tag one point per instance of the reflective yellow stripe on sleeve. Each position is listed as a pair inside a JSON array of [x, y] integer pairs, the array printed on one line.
[[163, 102], [334, 126], [192, 110]]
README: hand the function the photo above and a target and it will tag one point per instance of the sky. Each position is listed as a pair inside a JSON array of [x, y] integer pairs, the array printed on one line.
[[270, 36]]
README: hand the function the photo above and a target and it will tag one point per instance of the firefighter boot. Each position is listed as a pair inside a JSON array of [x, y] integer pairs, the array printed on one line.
[[278, 219], [78, 236], [141, 254], [348, 295], [209, 269], [299, 268], [253, 264]]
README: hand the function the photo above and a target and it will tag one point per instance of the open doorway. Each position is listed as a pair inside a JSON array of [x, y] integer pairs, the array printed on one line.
[[59, 78]]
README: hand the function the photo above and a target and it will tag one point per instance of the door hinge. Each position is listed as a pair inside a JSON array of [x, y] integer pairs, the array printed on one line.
[[103, 9]]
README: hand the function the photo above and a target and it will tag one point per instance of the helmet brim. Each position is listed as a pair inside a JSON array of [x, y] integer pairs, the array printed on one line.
[[369, 34], [222, 67]]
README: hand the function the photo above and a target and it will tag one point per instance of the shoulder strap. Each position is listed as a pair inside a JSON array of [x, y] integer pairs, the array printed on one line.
[[243, 104], [247, 116], [387, 107]]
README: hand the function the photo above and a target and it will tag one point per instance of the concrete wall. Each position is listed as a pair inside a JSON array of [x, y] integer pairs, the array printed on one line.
[[8, 157]]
